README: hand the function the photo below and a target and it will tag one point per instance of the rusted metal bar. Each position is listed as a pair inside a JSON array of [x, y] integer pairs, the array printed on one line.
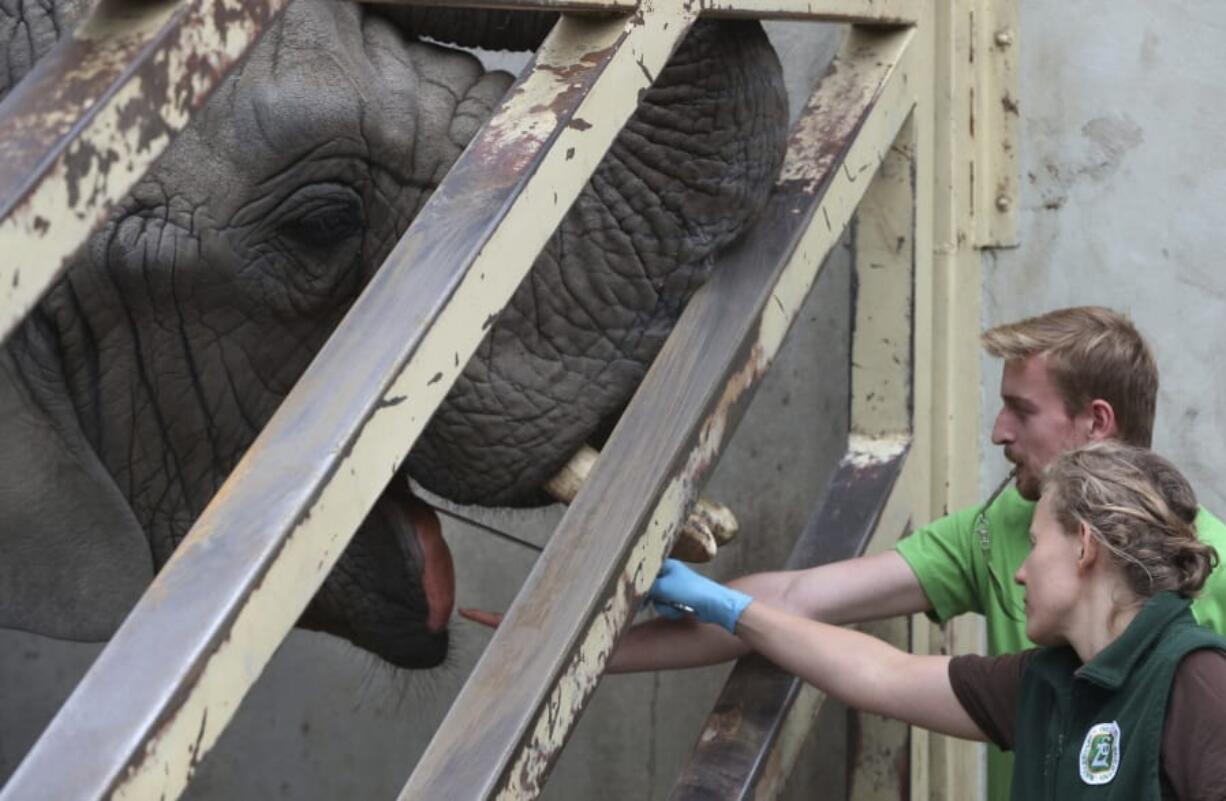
[[760, 706], [514, 714], [93, 114], [750, 742], [159, 695], [860, 12], [577, 7]]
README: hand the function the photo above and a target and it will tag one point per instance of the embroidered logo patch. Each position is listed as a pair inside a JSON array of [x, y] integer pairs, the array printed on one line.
[[1100, 753]]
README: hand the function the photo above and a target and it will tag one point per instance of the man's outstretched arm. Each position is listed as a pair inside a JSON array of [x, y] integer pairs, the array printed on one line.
[[855, 668], [851, 591]]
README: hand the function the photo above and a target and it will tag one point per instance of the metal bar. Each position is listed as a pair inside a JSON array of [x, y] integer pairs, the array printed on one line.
[[859, 12], [580, 7], [884, 339], [202, 633], [750, 742], [83, 126], [994, 125], [883, 390], [514, 714], [952, 768], [763, 714]]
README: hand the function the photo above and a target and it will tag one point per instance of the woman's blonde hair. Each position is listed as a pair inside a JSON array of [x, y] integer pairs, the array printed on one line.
[[1140, 508]]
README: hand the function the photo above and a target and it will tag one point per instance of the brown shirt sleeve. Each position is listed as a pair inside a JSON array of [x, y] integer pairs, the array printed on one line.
[[1194, 735], [988, 688]]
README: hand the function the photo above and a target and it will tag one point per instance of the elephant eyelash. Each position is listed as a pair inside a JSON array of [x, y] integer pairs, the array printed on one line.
[[320, 215], [326, 225]]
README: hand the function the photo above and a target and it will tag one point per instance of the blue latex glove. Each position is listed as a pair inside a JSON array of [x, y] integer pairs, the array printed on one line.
[[679, 591]]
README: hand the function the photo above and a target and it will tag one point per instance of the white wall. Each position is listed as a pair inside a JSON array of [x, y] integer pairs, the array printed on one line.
[[1123, 107]]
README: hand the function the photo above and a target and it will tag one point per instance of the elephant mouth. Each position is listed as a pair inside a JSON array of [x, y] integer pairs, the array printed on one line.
[[418, 532], [392, 591]]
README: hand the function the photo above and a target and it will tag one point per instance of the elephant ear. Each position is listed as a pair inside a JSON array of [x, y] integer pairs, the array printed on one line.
[[73, 558]]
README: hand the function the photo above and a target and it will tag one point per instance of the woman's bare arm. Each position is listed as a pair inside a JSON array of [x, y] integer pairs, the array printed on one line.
[[859, 670], [851, 591]]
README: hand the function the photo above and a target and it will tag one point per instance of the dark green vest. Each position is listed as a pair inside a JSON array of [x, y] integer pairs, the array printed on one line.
[[1094, 731]]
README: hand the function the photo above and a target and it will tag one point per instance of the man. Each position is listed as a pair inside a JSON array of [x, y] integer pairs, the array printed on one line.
[[1071, 377]]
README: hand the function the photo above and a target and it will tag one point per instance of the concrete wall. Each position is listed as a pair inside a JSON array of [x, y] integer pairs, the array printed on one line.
[[1124, 201]]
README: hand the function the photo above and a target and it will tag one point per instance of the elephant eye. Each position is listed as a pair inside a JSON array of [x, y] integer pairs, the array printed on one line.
[[322, 219]]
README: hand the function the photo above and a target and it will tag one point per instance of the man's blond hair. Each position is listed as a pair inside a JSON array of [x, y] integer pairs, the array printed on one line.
[[1092, 353]]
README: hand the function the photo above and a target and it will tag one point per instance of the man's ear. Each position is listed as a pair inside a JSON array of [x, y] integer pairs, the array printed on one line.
[[1102, 422], [73, 558]]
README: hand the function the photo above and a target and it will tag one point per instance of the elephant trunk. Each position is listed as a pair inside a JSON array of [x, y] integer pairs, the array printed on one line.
[[486, 29]]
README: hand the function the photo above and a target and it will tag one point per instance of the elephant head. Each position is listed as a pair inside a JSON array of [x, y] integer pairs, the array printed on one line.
[[145, 373]]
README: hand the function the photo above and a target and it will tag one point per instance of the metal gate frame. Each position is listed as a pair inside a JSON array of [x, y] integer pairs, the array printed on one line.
[[886, 133]]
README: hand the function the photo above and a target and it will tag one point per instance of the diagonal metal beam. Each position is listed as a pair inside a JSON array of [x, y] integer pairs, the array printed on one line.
[[859, 12], [202, 633], [513, 716], [750, 742], [763, 715], [83, 126]]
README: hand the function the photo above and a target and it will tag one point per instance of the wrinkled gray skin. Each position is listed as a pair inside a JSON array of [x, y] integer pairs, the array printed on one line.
[[143, 375]]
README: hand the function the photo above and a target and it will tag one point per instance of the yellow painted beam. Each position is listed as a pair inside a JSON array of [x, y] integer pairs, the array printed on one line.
[[533, 680], [83, 126], [860, 12], [995, 121], [882, 343], [962, 207], [202, 633]]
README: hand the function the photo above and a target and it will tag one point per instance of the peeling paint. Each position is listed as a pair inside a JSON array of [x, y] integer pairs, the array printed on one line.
[[869, 451], [301, 548], [780, 305], [818, 139], [125, 82]]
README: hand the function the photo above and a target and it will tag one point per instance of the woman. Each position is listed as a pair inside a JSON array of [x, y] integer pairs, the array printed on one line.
[[1127, 698]]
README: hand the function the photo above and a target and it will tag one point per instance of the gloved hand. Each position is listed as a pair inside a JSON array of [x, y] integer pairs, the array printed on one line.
[[679, 591]]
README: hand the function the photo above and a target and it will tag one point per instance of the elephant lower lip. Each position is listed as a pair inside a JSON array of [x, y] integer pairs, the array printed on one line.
[[437, 569]]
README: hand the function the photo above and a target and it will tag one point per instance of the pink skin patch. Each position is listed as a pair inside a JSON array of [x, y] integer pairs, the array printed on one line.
[[491, 619], [437, 569]]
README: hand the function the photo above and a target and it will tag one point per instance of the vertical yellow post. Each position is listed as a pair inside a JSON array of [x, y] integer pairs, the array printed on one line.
[[963, 133], [886, 262]]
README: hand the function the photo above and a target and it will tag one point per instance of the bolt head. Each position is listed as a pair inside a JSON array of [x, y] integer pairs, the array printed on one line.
[[1003, 203], [1004, 38]]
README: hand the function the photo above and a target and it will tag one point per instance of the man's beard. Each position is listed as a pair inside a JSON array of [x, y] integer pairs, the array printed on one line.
[[1028, 484]]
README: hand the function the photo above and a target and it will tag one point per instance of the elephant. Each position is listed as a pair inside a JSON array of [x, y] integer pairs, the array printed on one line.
[[144, 373]]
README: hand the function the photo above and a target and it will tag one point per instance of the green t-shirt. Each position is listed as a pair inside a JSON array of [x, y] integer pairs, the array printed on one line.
[[962, 569]]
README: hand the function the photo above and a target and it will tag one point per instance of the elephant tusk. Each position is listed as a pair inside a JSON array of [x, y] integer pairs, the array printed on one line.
[[708, 526]]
